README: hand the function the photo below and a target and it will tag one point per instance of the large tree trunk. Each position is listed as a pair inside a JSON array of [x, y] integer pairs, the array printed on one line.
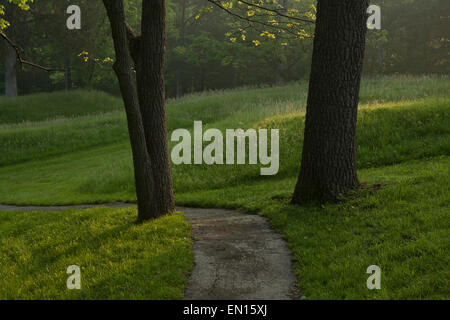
[[151, 91], [10, 71], [328, 167], [122, 67]]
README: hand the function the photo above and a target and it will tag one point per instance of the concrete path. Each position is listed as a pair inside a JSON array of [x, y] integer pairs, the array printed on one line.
[[237, 256]]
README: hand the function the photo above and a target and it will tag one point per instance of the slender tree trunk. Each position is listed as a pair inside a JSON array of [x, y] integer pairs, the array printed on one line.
[[202, 79], [151, 92], [67, 73], [279, 80], [279, 67], [122, 67], [235, 77], [10, 72], [328, 167], [180, 68], [179, 82], [91, 74], [381, 57]]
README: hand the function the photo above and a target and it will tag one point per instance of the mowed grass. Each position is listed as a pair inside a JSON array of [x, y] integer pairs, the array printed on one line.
[[401, 224], [118, 257]]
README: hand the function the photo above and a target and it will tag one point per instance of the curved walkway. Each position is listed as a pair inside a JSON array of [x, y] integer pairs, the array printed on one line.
[[237, 256]]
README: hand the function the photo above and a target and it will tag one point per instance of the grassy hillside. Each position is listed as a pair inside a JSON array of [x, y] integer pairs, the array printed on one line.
[[42, 106], [399, 221], [95, 154]]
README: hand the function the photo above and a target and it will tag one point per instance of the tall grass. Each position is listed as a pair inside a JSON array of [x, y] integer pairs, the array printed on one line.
[[40, 140], [43, 106], [402, 227], [77, 120], [387, 133]]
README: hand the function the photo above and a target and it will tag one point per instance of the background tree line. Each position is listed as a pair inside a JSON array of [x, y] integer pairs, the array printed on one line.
[[205, 48]]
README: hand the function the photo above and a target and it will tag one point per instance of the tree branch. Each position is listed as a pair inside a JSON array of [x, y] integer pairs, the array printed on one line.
[[251, 21], [134, 43], [21, 60], [276, 12]]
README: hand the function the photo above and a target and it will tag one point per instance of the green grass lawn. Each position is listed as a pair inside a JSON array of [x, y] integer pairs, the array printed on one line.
[[119, 258], [43, 106], [404, 228], [401, 224]]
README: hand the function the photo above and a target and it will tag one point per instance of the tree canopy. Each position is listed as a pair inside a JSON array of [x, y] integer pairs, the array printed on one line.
[[215, 44]]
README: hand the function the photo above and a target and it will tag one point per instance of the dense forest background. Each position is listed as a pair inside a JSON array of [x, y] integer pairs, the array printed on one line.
[[207, 48]]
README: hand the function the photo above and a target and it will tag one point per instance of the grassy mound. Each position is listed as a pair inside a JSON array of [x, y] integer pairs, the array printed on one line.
[[387, 134], [398, 221], [43, 106]]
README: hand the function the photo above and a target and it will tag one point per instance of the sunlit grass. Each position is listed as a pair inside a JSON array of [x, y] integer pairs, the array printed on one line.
[[119, 258], [402, 224], [404, 228], [386, 134]]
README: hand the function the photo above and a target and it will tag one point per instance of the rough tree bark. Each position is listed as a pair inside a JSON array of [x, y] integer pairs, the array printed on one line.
[[10, 71], [328, 167], [153, 195], [151, 92]]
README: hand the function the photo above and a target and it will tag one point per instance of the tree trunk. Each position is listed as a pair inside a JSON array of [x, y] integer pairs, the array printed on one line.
[[180, 68], [179, 82], [10, 72], [328, 167], [122, 67], [279, 80], [202, 79], [235, 77], [381, 58], [279, 66], [91, 74], [67, 73], [151, 92]]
